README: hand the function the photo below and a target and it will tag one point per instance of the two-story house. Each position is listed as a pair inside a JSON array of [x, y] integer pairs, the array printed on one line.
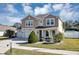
[[44, 25]]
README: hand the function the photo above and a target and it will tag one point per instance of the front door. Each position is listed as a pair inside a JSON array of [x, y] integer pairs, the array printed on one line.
[[40, 35], [47, 34]]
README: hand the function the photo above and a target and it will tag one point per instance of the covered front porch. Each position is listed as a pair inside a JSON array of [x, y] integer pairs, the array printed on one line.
[[46, 34]]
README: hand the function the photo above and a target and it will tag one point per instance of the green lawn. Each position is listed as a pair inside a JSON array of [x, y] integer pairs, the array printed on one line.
[[68, 44], [26, 52]]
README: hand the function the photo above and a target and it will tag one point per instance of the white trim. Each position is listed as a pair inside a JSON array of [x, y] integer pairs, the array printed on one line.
[[40, 23], [27, 22], [52, 28], [52, 19]]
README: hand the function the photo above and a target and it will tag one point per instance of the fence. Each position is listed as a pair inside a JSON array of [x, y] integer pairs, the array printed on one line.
[[71, 34]]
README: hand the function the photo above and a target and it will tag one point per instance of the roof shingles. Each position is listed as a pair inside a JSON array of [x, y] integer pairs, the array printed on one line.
[[4, 27]]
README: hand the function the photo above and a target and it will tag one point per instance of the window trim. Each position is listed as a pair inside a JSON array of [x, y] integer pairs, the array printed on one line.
[[50, 22], [29, 22]]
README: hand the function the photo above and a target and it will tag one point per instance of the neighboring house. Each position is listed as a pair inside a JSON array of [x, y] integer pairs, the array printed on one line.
[[3, 28], [45, 25]]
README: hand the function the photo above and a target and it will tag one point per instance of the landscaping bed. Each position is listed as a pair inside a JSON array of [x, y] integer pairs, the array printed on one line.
[[68, 44], [26, 52]]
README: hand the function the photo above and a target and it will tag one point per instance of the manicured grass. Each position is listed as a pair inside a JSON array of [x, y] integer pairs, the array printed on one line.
[[3, 38], [26, 52], [68, 44]]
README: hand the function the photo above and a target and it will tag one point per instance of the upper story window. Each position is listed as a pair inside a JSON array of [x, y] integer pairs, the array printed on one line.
[[50, 22], [29, 23]]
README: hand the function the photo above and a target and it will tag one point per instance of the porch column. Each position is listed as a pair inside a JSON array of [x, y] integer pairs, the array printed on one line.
[[37, 34], [42, 33], [49, 33]]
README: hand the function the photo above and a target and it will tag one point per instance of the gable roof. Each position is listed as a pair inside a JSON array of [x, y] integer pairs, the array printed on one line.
[[41, 16], [28, 17], [45, 15]]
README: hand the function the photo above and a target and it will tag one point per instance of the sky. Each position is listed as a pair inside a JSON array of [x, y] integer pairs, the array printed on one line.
[[12, 13]]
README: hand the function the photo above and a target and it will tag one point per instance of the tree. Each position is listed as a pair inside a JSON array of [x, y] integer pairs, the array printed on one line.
[[32, 38], [17, 25], [9, 33], [69, 24], [76, 23]]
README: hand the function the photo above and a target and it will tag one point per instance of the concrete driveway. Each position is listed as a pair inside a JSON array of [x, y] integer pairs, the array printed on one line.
[[4, 45]]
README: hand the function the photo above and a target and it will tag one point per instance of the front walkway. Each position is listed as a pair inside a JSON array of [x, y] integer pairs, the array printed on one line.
[[64, 52]]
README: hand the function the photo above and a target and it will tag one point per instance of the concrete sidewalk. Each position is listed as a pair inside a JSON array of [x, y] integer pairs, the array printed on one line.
[[64, 52], [4, 46]]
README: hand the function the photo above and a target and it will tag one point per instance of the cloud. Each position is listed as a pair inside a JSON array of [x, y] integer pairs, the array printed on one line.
[[27, 9], [9, 19], [10, 9], [68, 13], [10, 15], [42, 10], [2, 19], [57, 7], [13, 19]]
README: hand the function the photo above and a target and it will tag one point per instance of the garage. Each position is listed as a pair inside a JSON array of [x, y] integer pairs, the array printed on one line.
[[23, 33]]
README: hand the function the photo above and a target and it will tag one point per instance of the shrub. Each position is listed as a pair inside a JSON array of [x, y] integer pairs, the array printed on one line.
[[9, 33], [58, 37], [32, 38]]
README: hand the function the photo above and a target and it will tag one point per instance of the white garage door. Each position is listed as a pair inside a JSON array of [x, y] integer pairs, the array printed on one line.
[[24, 33]]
